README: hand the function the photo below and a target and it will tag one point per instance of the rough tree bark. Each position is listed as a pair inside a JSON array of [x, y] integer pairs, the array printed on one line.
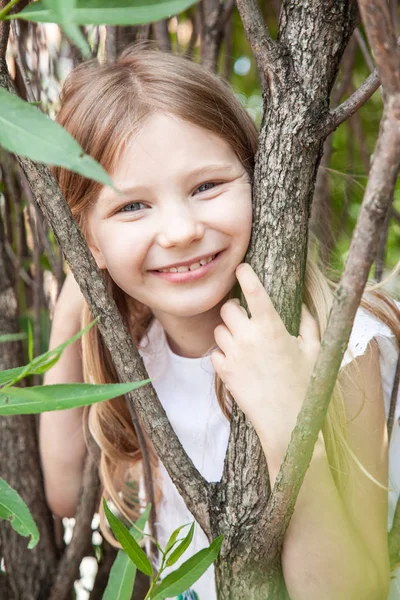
[[19, 432]]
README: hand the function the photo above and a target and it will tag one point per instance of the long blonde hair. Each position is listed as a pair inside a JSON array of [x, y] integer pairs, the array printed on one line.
[[103, 106]]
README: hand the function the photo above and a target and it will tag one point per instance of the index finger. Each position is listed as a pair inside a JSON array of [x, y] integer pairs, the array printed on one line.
[[258, 301]]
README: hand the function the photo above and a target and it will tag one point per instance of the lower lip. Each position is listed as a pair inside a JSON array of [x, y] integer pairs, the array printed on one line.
[[188, 275]]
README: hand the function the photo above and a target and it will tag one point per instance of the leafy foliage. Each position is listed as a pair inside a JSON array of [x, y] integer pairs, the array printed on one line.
[[14, 509], [28, 132], [106, 12], [181, 579]]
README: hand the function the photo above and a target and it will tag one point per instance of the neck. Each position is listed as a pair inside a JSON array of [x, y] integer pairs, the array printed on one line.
[[191, 337]]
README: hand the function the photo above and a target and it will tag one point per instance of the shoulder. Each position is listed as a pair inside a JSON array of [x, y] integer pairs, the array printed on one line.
[[361, 386], [153, 350], [367, 327]]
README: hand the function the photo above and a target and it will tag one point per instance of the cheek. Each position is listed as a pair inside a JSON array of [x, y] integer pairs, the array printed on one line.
[[122, 239], [240, 217], [123, 252]]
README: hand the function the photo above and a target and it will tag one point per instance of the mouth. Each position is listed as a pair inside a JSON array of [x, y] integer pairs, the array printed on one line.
[[185, 274]]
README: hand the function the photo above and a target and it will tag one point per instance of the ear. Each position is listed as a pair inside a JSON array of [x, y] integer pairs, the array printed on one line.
[[98, 256]]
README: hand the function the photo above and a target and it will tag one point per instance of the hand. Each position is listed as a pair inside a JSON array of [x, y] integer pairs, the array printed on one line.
[[265, 368]]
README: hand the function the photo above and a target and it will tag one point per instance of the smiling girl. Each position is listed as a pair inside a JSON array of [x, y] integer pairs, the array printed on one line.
[[176, 140]]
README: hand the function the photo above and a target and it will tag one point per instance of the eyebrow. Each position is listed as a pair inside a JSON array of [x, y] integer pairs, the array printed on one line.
[[113, 197]]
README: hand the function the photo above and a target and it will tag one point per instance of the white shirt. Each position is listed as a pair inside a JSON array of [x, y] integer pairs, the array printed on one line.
[[185, 387]]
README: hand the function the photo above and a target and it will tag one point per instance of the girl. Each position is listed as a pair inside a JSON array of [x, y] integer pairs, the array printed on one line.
[[180, 145]]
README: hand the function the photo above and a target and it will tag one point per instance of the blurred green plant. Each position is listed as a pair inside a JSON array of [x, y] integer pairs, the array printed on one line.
[[178, 581]]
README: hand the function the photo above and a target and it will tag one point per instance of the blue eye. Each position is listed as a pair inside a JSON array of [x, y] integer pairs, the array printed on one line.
[[126, 207], [208, 183]]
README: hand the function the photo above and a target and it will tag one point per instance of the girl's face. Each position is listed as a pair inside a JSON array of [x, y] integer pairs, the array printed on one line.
[[186, 196]]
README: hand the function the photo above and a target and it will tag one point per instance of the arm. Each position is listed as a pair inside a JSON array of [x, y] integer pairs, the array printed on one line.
[[336, 547], [61, 442]]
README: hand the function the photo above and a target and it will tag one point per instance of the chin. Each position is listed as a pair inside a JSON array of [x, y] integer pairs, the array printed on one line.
[[193, 309]]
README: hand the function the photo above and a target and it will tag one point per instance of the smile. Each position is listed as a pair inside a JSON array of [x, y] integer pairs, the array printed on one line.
[[193, 267], [192, 272]]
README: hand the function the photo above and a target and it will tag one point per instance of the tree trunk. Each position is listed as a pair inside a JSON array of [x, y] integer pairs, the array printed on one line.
[[297, 85], [236, 579], [21, 470]]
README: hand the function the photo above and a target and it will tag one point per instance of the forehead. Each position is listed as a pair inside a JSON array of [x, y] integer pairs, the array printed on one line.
[[168, 145]]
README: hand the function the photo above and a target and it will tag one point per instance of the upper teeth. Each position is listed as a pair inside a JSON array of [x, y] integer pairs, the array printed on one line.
[[192, 267]]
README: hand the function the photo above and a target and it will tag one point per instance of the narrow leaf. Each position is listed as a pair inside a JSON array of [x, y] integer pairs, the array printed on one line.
[[36, 399], [188, 573], [29, 132], [41, 363], [123, 572], [183, 546], [12, 337], [140, 524], [75, 35], [173, 537], [64, 10], [108, 12], [30, 341], [128, 542], [14, 509], [121, 578]]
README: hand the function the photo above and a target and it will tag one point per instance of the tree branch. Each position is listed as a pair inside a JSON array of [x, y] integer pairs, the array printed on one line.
[[364, 50], [382, 40], [365, 240], [316, 55], [4, 33], [161, 35], [376, 203], [226, 13], [263, 47], [356, 100], [345, 110]]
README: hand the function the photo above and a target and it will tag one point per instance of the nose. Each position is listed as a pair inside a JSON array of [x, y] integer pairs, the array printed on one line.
[[179, 226]]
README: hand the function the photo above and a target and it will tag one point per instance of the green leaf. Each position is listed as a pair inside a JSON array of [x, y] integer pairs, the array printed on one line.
[[42, 398], [140, 524], [75, 35], [183, 546], [128, 542], [121, 578], [29, 132], [123, 572], [188, 573], [12, 337], [173, 537], [65, 12], [108, 12], [10, 374], [43, 362], [30, 341], [14, 509]]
